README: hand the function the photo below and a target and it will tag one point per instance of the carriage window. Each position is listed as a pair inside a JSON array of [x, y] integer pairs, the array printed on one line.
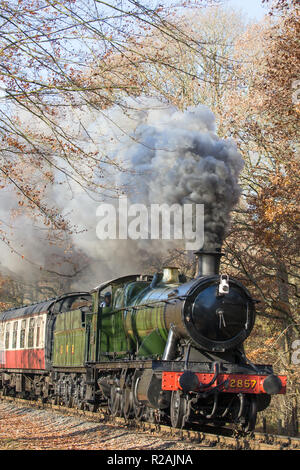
[[31, 333], [22, 335], [1, 345], [7, 335], [38, 333], [15, 335]]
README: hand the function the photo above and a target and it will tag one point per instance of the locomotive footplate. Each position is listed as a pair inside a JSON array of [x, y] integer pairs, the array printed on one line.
[[208, 367]]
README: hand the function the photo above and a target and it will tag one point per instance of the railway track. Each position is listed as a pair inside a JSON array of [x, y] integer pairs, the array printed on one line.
[[254, 441]]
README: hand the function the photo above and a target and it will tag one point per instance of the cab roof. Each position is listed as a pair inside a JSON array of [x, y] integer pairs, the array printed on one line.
[[124, 280]]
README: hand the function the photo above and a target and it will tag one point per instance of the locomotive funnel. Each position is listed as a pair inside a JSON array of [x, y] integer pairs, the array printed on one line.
[[208, 262]]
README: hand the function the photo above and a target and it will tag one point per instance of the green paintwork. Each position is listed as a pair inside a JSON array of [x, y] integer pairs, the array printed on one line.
[[69, 339], [130, 326], [152, 345]]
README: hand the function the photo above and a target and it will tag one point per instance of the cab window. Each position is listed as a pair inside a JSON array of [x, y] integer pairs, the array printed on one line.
[[102, 296]]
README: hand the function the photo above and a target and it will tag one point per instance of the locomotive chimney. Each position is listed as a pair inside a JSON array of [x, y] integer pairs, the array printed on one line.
[[208, 262]]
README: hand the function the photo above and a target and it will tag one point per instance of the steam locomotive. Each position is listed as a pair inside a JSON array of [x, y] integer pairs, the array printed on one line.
[[167, 349]]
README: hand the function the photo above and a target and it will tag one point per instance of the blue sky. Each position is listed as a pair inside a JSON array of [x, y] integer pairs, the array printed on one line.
[[253, 8]]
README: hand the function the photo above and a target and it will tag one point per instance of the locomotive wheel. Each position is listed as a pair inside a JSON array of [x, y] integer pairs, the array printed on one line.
[[250, 423], [115, 402], [178, 410], [138, 408], [127, 403], [67, 398], [79, 403], [79, 395]]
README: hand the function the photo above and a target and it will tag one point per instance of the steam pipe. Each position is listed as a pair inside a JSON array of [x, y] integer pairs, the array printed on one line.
[[170, 348]]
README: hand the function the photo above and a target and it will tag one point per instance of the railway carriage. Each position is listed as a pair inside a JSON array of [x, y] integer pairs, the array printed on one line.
[[167, 349], [26, 343], [22, 333]]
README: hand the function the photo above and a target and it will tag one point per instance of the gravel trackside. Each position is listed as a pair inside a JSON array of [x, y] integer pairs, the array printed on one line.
[[33, 429]]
